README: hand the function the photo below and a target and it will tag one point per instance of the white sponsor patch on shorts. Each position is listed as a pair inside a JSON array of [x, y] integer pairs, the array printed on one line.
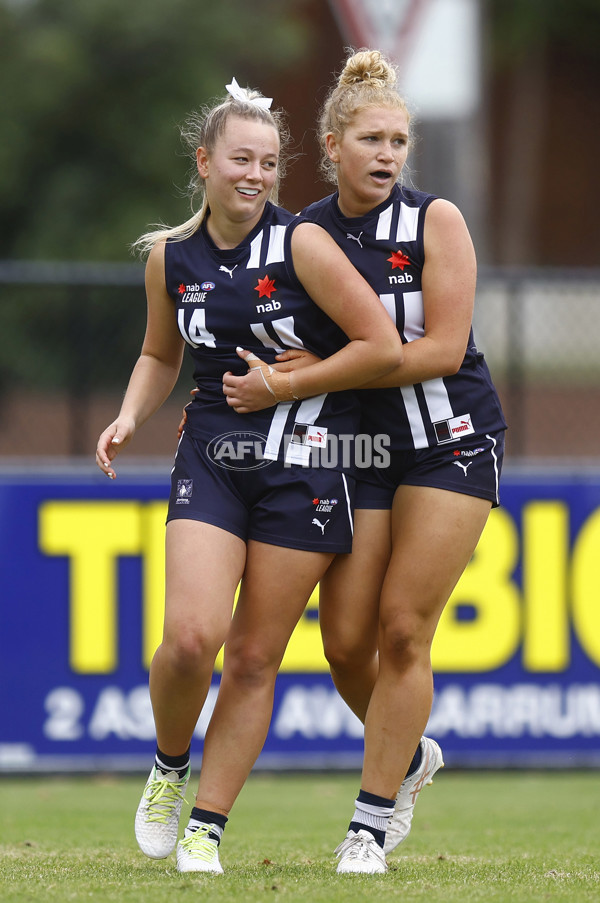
[[453, 429], [316, 436], [309, 434]]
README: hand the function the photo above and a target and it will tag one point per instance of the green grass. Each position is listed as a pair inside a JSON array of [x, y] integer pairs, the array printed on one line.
[[523, 837]]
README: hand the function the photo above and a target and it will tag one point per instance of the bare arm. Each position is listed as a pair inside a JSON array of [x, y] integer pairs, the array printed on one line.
[[341, 292], [448, 284], [156, 370]]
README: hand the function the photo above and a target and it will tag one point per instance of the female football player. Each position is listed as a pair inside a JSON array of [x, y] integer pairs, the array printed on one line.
[[241, 271], [419, 519]]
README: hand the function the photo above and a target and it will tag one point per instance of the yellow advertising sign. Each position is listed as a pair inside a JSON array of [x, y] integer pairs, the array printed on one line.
[[533, 615]]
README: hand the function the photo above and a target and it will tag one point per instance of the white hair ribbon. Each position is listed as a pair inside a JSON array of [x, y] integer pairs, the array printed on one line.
[[241, 94]]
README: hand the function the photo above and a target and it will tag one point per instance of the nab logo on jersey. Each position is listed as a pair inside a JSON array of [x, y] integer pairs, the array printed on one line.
[[399, 260], [265, 288], [267, 308]]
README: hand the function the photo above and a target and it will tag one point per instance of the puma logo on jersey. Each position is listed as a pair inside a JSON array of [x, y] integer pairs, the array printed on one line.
[[464, 466], [318, 523], [355, 238], [227, 270]]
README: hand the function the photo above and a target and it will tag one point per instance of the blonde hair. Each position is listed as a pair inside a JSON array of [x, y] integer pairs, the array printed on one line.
[[203, 128], [368, 79]]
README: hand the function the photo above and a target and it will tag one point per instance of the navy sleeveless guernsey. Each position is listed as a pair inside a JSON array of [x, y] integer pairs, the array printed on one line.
[[251, 297], [386, 247]]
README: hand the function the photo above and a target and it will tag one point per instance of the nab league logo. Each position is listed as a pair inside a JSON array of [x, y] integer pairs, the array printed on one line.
[[192, 294], [326, 505]]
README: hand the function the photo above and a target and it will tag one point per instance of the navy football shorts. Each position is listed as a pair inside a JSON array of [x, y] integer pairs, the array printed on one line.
[[308, 508], [472, 468]]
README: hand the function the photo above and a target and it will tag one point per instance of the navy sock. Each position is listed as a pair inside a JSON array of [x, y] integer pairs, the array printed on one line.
[[416, 761], [180, 764], [372, 814], [206, 817]]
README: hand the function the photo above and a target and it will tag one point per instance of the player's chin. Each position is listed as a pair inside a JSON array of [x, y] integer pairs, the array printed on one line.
[[382, 183]]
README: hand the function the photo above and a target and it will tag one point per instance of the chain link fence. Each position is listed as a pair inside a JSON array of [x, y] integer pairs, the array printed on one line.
[[70, 334]]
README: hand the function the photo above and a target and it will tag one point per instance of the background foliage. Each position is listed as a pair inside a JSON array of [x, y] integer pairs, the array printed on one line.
[[91, 96]]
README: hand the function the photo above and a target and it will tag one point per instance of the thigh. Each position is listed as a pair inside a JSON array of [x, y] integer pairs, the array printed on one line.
[[204, 565], [434, 534], [276, 586], [350, 590]]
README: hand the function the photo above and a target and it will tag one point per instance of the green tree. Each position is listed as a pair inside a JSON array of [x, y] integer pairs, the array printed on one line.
[[91, 96], [519, 27]]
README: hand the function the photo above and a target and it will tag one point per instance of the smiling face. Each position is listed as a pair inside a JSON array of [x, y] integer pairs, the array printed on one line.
[[369, 157], [239, 172]]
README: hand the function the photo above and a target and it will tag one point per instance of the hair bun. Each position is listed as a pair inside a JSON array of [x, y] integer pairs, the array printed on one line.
[[368, 66]]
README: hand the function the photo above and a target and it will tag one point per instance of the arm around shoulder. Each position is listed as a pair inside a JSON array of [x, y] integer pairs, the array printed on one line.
[[374, 347], [337, 287]]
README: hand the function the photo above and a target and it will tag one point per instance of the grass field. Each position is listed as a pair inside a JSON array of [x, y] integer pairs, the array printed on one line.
[[523, 837]]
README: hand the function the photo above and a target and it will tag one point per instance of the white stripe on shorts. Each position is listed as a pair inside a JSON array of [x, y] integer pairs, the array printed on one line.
[[495, 457], [348, 505]]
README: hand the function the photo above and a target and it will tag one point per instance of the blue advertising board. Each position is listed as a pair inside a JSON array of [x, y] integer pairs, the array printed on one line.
[[516, 656]]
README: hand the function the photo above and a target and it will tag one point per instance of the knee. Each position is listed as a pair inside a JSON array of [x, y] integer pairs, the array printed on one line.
[[404, 641], [251, 666], [349, 654], [190, 651]]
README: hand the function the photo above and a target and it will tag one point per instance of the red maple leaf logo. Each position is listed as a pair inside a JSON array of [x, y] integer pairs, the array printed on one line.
[[181, 289], [265, 287], [398, 259], [315, 501]]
